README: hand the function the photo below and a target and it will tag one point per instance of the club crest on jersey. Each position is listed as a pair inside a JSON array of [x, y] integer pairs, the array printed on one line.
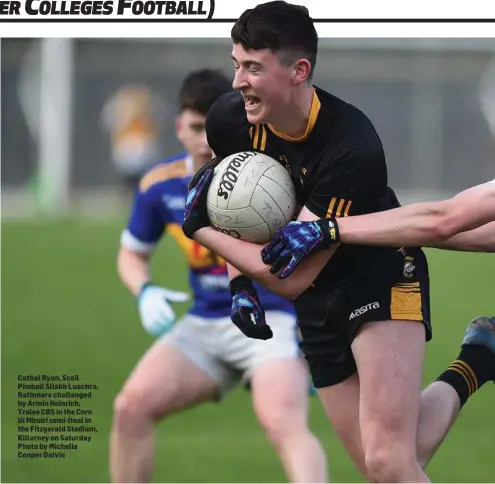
[[409, 267]]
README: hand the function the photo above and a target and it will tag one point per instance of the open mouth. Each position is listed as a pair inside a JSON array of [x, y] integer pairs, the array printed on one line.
[[251, 102]]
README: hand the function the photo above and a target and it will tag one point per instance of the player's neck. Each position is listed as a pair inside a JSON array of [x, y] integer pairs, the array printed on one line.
[[294, 121]]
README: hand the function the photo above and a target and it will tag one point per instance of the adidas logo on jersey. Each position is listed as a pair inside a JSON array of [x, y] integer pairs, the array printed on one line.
[[364, 309]]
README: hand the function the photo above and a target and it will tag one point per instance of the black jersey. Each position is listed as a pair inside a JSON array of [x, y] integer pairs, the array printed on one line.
[[338, 166]]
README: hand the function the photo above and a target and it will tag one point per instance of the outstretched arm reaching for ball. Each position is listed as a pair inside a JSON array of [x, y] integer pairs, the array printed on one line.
[[466, 222], [460, 223], [481, 239]]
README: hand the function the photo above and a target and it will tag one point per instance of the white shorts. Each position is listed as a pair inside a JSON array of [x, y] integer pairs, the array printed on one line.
[[224, 353]]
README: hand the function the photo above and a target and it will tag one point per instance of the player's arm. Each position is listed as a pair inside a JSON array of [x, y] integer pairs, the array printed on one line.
[[138, 241], [233, 272], [481, 239], [133, 268], [426, 224], [245, 257]]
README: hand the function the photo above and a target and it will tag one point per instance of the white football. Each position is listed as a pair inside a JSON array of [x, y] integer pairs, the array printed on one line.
[[250, 197]]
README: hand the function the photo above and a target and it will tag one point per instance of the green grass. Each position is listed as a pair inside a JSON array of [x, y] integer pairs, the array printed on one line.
[[65, 311]]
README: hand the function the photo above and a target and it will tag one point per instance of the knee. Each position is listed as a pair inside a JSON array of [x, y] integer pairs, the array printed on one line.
[[280, 396], [389, 463], [283, 423], [380, 466], [132, 406]]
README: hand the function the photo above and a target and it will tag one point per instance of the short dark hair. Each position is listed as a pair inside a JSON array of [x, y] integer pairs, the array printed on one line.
[[281, 27], [200, 89]]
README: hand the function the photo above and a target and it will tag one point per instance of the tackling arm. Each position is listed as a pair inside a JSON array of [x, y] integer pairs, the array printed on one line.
[[423, 224], [481, 239]]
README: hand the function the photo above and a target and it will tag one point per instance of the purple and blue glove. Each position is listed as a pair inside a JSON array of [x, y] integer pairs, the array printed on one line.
[[296, 241], [246, 305], [195, 213]]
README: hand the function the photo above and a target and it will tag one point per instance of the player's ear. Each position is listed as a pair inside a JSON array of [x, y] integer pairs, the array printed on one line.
[[178, 129], [178, 124], [301, 71]]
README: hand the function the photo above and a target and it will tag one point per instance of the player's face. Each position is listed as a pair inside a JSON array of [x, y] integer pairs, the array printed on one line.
[[190, 127], [264, 82]]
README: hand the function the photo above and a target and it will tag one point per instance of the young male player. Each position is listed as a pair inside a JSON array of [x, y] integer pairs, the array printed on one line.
[[465, 222], [363, 311], [204, 355]]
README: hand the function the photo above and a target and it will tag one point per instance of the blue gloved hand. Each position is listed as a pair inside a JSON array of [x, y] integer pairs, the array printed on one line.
[[195, 213], [246, 305], [296, 241]]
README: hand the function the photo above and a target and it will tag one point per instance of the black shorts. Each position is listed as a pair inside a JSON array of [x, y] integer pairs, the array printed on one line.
[[394, 285]]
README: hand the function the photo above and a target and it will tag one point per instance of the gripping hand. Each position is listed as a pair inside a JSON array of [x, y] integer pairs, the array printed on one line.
[[247, 312], [297, 241], [195, 213]]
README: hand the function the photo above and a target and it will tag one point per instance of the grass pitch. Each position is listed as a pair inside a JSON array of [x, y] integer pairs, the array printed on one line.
[[64, 311]]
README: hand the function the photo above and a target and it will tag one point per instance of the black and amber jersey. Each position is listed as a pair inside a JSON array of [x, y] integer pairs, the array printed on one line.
[[338, 166]]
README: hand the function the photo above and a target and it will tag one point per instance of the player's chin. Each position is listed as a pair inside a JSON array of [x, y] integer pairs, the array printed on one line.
[[257, 115]]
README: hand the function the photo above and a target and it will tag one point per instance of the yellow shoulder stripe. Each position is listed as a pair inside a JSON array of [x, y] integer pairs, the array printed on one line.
[[176, 169]]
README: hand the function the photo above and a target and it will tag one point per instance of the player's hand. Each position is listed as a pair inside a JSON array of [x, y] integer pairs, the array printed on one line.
[[246, 306], [196, 215], [157, 315], [296, 241]]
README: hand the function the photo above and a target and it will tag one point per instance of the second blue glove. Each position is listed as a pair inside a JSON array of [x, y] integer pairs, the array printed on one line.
[[246, 305]]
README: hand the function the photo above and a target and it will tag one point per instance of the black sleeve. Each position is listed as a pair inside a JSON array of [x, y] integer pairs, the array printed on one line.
[[197, 176], [226, 127], [214, 131], [352, 180]]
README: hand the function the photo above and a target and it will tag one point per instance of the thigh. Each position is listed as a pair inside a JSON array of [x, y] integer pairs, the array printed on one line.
[[389, 357], [245, 354], [165, 380], [284, 346], [280, 391], [341, 404], [266, 359], [202, 341]]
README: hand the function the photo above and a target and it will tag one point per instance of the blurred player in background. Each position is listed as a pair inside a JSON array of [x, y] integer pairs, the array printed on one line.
[[203, 356], [131, 117], [363, 311]]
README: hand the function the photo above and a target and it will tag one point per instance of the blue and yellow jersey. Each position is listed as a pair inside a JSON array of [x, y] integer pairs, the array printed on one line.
[[159, 208]]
